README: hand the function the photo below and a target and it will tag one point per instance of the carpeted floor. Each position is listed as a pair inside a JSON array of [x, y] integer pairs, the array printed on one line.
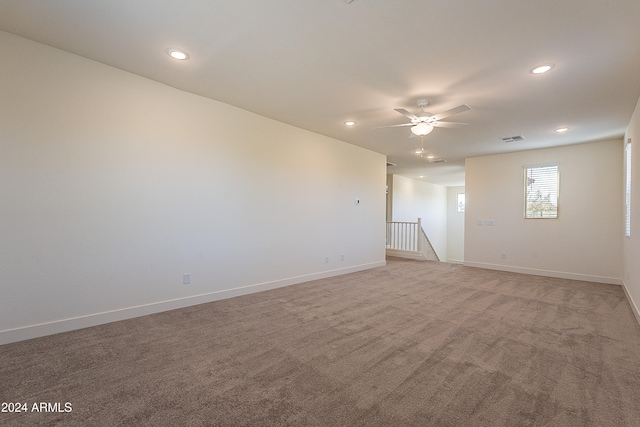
[[408, 344]]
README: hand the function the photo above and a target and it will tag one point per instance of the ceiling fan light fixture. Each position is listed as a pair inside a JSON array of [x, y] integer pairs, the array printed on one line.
[[421, 129]]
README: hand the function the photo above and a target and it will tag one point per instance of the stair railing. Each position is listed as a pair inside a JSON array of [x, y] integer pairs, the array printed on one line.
[[409, 238]]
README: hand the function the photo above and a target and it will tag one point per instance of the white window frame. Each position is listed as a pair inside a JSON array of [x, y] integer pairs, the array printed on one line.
[[553, 193], [460, 207], [627, 201]]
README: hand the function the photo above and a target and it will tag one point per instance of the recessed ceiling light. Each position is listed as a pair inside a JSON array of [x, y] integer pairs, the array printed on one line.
[[430, 157], [177, 54], [542, 69], [350, 123], [562, 130]]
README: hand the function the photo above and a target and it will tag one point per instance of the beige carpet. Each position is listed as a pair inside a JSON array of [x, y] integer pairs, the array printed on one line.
[[409, 344]]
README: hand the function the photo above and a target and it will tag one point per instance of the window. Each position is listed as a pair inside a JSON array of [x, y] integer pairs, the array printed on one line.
[[541, 191], [460, 202], [627, 189]]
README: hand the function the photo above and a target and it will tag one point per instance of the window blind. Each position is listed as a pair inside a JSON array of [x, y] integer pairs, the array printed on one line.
[[541, 191], [627, 202]]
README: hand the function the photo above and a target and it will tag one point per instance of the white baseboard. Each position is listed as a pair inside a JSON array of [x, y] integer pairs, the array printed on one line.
[[547, 273], [70, 324], [632, 303]]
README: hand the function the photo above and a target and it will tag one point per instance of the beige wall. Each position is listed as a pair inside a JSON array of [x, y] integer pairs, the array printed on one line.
[[583, 243], [113, 186], [455, 226]]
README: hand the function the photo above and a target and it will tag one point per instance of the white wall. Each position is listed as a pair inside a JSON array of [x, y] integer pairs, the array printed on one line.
[[455, 226], [413, 199], [113, 186], [631, 246], [583, 243], [389, 201]]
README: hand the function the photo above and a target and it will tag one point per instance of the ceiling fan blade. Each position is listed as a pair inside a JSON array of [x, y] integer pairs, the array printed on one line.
[[447, 124], [395, 126], [451, 112], [407, 113]]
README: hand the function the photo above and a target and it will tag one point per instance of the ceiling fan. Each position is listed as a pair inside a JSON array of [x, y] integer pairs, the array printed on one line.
[[423, 123]]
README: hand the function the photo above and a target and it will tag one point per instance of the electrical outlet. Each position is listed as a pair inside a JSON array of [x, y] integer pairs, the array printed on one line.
[[342, 257], [186, 278], [326, 260], [503, 255]]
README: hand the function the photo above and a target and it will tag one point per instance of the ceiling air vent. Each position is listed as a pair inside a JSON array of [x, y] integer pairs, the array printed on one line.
[[390, 164], [437, 161], [513, 138]]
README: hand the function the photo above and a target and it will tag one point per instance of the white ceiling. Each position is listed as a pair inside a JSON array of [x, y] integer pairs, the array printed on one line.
[[316, 63]]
